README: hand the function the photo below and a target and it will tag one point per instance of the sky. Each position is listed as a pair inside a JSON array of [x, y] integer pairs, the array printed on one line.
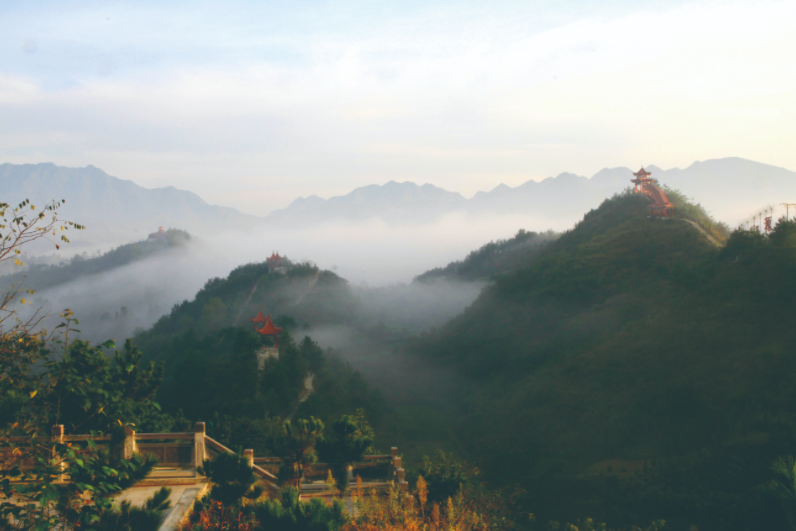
[[252, 104]]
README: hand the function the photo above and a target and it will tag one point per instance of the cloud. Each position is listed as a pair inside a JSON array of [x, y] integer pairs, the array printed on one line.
[[458, 97]]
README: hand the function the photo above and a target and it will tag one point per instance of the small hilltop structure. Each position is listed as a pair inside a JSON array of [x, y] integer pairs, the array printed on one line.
[[270, 330], [157, 236], [659, 206], [275, 262]]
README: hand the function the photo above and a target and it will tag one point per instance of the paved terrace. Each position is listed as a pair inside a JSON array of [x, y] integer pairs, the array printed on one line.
[[179, 454]]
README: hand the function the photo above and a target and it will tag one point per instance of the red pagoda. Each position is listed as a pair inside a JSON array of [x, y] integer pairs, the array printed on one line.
[[274, 261], [268, 328], [659, 204]]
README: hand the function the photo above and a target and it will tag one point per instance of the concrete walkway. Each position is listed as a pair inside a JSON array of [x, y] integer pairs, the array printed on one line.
[[185, 487]]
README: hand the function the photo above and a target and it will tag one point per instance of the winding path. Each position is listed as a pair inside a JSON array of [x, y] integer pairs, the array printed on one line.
[[707, 235], [305, 394]]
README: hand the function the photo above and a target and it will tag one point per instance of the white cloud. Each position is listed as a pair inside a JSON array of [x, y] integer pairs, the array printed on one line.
[[460, 102]]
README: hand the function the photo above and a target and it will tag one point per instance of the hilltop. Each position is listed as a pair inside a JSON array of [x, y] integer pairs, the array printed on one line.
[[631, 344], [209, 343]]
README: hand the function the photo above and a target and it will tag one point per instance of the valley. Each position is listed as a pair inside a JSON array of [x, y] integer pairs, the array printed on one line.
[[631, 368]]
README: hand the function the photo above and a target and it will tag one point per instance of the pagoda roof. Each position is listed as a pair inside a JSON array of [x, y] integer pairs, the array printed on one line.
[[274, 256], [259, 318], [268, 328], [642, 173]]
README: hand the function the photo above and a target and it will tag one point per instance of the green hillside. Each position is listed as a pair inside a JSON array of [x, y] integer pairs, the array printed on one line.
[[209, 349], [43, 276], [303, 291], [634, 370], [494, 258]]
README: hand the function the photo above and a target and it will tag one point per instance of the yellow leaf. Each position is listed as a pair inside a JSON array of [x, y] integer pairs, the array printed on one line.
[[119, 421], [33, 393], [100, 409], [22, 301]]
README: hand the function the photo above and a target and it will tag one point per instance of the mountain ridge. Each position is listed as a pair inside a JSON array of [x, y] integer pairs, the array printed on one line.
[[114, 210], [119, 210], [560, 199]]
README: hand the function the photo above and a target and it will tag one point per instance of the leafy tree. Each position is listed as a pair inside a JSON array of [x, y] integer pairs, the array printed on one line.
[[93, 392], [347, 444], [35, 493], [445, 476]]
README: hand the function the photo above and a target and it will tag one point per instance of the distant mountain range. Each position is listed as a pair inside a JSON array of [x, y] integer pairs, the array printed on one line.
[[113, 210], [731, 189], [117, 210]]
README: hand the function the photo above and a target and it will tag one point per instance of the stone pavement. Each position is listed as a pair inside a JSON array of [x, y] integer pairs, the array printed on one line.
[[185, 487]]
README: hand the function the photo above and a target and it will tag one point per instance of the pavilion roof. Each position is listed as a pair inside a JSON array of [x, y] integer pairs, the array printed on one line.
[[642, 173], [268, 328], [259, 318]]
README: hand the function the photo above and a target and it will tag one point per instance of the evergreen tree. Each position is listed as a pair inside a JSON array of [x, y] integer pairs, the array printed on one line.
[[347, 444]]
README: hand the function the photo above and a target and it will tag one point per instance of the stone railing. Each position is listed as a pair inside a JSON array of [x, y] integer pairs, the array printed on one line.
[[376, 471], [190, 449]]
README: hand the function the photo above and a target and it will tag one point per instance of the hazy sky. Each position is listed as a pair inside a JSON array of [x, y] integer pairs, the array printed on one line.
[[251, 104]]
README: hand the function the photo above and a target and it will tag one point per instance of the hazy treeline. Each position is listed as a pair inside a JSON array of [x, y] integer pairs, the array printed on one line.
[[493, 258]]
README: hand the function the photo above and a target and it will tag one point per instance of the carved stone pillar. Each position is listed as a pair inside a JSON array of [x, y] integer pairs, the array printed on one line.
[[129, 443], [198, 444]]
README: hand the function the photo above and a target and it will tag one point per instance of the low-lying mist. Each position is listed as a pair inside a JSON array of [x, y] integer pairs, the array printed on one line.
[[378, 260]]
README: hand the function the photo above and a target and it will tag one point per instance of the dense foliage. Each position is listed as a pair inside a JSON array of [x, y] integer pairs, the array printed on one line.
[[209, 343], [302, 291], [633, 371], [286, 513]]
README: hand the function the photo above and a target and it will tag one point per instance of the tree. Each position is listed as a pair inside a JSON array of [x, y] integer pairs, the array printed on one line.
[[93, 392], [445, 476], [347, 444], [312, 354], [35, 492], [296, 448], [783, 486], [232, 479]]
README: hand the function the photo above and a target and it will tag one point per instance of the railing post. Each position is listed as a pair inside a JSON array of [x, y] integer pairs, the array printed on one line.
[[58, 438], [401, 480], [129, 448], [393, 468], [58, 433], [249, 455], [198, 444]]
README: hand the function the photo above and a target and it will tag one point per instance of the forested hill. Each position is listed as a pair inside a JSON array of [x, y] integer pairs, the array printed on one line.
[[210, 350], [301, 295], [41, 276], [633, 370], [493, 259]]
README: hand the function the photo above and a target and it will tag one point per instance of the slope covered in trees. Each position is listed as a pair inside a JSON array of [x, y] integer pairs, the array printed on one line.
[[209, 344], [493, 259], [41, 276], [633, 370]]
